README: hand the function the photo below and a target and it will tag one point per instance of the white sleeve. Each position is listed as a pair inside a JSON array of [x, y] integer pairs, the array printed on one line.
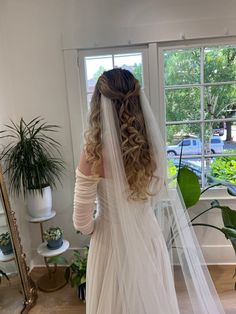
[[84, 199]]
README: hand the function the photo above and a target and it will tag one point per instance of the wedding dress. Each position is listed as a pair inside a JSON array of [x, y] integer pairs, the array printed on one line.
[[134, 244]]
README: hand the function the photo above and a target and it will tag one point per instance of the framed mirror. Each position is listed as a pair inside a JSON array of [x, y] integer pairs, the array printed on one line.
[[17, 290]]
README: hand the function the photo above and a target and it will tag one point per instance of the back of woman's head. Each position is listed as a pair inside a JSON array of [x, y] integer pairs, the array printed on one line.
[[123, 89]]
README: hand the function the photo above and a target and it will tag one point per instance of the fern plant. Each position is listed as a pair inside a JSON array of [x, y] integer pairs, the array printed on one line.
[[29, 157]]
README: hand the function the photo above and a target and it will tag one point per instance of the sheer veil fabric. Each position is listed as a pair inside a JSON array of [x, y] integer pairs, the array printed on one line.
[[146, 235]]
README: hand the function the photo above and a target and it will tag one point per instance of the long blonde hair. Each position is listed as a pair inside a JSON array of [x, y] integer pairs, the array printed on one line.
[[121, 87]]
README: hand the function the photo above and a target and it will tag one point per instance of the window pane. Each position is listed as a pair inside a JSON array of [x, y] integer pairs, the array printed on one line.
[[220, 102], [221, 169], [182, 104], [189, 133], [182, 66], [216, 134], [94, 67], [132, 62], [219, 64]]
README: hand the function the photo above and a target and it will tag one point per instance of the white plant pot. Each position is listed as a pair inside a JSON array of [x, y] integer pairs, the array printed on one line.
[[39, 205]]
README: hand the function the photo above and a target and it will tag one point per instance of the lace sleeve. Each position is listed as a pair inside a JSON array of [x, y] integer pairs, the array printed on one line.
[[84, 199]]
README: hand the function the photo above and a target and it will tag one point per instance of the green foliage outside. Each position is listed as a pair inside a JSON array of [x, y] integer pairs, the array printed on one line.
[[224, 168], [172, 170], [138, 72], [99, 72], [183, 66], [171, 173]]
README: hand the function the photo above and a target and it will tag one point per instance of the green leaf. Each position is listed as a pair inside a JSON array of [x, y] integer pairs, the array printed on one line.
[[83, 279], [231, 235], [189, 186], [229, 216], [229, 232]]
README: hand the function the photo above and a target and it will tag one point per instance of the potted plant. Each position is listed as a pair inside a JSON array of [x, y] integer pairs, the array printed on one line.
[[191, 191], [31, 164], [76, 272], [53, 236], [5, 243]]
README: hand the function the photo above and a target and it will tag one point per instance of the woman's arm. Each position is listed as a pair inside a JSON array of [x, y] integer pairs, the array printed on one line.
[[84, 197]]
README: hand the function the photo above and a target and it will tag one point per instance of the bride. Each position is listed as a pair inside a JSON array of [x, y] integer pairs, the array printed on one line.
[[141, 226]]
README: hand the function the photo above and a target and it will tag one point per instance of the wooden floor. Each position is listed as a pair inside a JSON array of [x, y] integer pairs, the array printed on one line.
[[65, 301]]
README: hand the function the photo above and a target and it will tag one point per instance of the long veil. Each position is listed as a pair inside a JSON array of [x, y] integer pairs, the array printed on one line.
[[150, 236]]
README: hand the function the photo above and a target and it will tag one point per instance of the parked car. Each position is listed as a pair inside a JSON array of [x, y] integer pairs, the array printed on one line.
[[195, 166], [193, 146], [219, 131]]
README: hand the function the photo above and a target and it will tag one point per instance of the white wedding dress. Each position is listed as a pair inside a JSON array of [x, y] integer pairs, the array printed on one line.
[[102, 284], [132, 252]]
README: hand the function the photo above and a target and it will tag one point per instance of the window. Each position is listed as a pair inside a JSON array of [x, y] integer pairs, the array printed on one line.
[[94, 63], [200, 101], [186, 143], [215, 140]]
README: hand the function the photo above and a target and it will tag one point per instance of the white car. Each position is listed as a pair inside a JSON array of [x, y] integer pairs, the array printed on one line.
[[193, 146]]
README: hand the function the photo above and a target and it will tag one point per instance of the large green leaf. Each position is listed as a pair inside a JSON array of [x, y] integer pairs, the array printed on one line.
[[233, 241], [189, 186], [230, 234], [229, 216]]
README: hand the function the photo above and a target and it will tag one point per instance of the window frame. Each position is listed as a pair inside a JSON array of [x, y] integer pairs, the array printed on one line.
[[73, 82], [111, 51]]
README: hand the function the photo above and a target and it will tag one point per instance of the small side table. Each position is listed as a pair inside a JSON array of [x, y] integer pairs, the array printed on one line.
[[6, 258], [54, 279]]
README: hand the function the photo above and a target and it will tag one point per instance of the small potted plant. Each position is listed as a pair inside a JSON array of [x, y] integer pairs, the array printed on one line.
[[33, 163], [5, 243], [76, 273], [53, 236]]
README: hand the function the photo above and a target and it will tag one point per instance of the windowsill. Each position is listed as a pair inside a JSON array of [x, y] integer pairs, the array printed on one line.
[[217, 193]]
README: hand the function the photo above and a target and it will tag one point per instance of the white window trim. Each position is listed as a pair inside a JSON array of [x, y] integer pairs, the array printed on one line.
[[111, 51]]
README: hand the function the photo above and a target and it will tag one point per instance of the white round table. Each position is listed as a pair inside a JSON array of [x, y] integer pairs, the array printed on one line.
[[46, 252]]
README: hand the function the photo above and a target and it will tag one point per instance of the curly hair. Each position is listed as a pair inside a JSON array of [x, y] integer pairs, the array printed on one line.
[[121, 87]]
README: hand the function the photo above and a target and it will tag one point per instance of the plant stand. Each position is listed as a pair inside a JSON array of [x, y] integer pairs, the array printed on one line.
[[54, 279]]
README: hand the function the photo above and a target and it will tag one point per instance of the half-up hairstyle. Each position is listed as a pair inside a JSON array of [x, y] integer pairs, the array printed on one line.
[[121, 87]]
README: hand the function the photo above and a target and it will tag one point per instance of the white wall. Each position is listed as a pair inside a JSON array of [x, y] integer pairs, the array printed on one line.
[[33, 35], [108, 23]]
